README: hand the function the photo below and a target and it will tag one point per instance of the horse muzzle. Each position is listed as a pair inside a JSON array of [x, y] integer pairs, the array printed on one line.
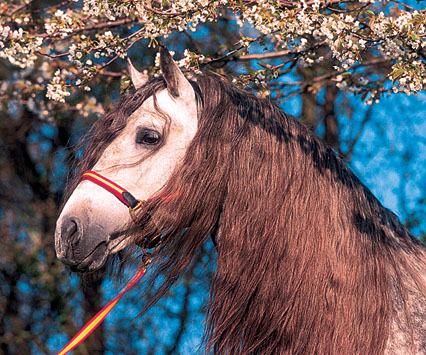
[[84, 245]]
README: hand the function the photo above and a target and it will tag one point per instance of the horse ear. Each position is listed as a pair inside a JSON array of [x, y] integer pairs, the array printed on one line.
[[177, 84], [138, 78]]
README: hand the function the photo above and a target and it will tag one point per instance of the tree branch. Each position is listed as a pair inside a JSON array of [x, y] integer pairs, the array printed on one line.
[[407, 7], [266, 55], [96, 26]]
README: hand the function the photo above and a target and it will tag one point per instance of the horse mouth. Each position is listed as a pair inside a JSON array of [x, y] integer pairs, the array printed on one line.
[[123, 238], [117, 241], [94, 261]]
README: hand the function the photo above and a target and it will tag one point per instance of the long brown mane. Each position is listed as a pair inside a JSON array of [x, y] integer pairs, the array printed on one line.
[[309, 262]]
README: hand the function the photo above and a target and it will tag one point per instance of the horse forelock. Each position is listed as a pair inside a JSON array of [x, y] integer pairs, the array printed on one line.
[[306, 255]]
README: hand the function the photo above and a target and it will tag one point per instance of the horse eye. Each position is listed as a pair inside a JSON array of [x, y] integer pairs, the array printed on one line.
[[147, 137]]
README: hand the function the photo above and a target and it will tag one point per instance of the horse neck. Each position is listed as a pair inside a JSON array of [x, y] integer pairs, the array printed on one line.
[[303, 257]]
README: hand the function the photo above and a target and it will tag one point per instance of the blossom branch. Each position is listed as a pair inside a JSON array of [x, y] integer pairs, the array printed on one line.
[[307, 32]]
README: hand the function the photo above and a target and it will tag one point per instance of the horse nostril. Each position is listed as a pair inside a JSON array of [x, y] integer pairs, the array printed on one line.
[[71, 230]]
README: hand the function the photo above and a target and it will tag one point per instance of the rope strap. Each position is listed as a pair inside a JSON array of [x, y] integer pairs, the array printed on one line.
[[99, 317]]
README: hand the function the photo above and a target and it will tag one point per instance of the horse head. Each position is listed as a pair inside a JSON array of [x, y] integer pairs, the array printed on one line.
[[141, 158]]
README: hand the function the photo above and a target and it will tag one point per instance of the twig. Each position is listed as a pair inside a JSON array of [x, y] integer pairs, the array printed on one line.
[[407, 7], [293, 4], [19, 8], [193, 41], [266, 55], [52, 56], [96, 26], [333, 74], [164, 13], [224, 57], [114, 74], [278, 53]]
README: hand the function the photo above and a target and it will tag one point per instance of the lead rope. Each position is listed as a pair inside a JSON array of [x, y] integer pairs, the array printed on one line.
[[100, 316], [133, 204]]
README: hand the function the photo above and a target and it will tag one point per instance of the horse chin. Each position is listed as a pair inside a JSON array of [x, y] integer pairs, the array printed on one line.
[[94, 261]]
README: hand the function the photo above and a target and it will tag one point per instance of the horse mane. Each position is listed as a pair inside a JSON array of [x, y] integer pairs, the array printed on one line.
[[308, 261]]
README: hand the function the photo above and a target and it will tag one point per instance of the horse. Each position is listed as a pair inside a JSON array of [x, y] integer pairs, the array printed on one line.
[[308, 260]]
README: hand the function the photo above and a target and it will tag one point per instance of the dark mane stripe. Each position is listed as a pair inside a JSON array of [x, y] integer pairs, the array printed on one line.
[[309, 262]]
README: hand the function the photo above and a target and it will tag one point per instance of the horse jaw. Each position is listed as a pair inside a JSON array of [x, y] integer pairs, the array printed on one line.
[[92, 223]]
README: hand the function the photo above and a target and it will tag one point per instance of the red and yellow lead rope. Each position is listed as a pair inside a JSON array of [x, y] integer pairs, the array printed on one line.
[[98, 318]]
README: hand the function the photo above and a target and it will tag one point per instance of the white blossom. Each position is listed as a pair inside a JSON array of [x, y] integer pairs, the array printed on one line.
[[56, 89], [18, 47]]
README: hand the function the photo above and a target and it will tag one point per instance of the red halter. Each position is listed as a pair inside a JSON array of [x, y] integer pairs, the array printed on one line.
[[122, 194]]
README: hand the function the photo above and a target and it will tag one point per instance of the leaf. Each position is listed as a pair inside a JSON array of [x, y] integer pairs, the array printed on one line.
[[397, 73], [125, 84]]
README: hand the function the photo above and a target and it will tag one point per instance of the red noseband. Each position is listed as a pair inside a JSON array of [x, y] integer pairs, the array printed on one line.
[[122, 194]]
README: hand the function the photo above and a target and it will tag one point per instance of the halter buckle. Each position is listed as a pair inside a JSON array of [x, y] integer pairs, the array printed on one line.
[[135, 208]]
